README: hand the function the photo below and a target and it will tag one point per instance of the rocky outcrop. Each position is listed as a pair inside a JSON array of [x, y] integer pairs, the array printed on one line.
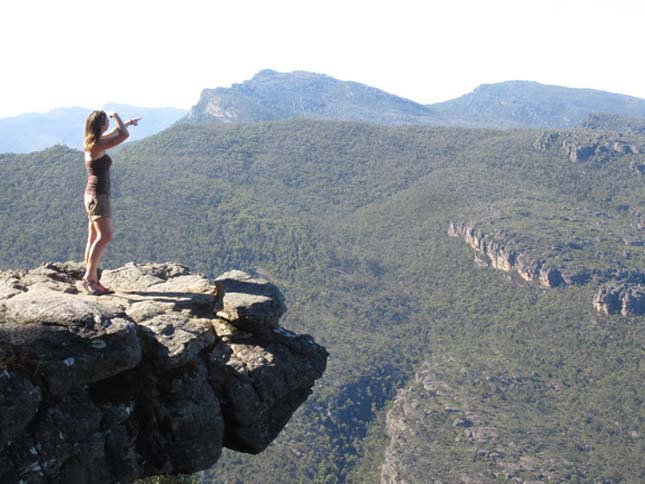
[[252, 304], [581, 147], [153, 379], [627, 299], [501, 254], [621, 291]]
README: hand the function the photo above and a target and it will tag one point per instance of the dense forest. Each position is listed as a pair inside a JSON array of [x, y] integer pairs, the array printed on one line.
[[351, 221]]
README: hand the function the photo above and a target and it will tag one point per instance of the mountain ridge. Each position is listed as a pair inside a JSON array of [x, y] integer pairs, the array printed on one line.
[[531, 104], [272, 95], [36, 131]]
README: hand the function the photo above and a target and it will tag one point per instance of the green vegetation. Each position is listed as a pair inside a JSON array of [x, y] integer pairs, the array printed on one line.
[[351, 220]]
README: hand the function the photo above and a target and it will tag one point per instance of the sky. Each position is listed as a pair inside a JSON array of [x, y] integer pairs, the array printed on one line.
[[64, 53]]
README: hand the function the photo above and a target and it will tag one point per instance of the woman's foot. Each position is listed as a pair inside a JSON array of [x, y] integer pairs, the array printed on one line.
[[93, 288], [103, 288]]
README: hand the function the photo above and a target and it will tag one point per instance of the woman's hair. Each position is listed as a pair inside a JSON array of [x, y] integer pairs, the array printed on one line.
[[93, 127]]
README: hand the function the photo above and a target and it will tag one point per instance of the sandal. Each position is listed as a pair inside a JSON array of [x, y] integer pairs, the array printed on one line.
[[103, 288], [92, 287]]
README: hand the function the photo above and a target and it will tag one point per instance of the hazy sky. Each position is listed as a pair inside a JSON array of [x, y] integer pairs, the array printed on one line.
[[62, 53]]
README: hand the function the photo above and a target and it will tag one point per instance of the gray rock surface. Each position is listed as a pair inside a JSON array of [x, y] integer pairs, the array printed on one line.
[[261, 379], [250, 303], [146, 381]]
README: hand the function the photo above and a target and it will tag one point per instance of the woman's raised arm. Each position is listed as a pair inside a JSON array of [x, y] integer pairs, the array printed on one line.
[[115, 137]]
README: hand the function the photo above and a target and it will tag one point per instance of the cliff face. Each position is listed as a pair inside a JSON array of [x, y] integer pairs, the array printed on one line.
[[154, 379], [620, 291], [501, 254]]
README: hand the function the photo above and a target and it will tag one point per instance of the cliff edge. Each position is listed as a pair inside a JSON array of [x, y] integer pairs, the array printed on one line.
[[153, 379]]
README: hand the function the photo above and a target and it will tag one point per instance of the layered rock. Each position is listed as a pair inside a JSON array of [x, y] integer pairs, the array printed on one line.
[[621, 291], [153, 379], [502, 255]]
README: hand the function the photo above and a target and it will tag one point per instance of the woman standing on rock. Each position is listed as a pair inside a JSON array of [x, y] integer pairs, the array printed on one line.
[[97, 191]]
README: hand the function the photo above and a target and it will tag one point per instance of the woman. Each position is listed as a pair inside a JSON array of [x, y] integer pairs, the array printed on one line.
[[97, 192]]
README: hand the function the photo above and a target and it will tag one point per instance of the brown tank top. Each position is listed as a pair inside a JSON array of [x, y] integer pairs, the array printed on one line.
[[98, 176]]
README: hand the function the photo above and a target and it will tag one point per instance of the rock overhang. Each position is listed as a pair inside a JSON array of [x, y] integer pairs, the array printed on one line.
[[163, 373]]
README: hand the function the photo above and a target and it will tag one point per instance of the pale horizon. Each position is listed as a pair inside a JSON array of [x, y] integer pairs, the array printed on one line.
[[148, 54]]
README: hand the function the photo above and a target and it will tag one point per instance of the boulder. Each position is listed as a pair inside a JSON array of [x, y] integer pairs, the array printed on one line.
[[173, 340], [260, 381], [250, 303], [10, 284]]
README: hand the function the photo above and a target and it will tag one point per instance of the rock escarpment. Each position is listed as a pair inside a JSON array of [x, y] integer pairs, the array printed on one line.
[[153, 379], [501, 254], [621, 291]]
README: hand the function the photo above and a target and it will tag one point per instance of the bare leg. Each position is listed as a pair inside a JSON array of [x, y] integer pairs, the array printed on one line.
[[91, 237], [103, 228]]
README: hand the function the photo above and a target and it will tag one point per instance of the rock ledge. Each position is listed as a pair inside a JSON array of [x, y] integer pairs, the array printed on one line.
[[153, 379]]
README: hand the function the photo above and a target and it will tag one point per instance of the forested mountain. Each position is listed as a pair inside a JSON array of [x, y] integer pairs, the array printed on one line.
[[530, 104], [36, 131], [271, 95], [352, 221]]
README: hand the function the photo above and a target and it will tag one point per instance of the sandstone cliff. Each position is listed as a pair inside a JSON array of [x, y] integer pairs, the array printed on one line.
[[154, 379], [621, 291], [501, 254]]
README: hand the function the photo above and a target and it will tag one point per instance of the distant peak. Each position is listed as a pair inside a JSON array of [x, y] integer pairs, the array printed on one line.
[[270, 74], [266, 73], [507, 86]]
